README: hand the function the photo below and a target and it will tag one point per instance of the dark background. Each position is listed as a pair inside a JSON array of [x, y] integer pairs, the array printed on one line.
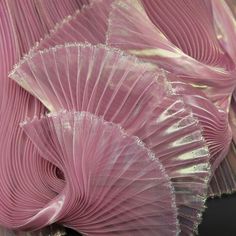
[[219, 218]]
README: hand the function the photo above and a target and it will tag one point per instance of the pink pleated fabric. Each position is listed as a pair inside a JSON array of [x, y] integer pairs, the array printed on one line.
[[135, 95], [54, 11], [198, 47], [178, 36], [17, 36], [114, 185], [224, 180], [88, 24], [214, 123]]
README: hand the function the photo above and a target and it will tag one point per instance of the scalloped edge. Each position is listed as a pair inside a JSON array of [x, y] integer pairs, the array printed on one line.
[[60, 24], [122, 54]]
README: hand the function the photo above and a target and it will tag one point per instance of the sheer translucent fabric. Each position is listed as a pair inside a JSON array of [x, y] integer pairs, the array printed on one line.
[[187, 47], [113, 184], [108, 83]]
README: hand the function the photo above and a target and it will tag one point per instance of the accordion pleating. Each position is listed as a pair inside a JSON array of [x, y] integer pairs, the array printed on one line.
[[214, 123], [17, 37], [200, 50], [113, 184], [108, 83], [148, 29], [224, 179], [110, 144], [88, 24]]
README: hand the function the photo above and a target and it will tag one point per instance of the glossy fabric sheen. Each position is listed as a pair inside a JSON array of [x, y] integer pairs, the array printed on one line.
[[176, 121], [108, 83], [132, 28], [113, 184], [17, 37], [198, 47]]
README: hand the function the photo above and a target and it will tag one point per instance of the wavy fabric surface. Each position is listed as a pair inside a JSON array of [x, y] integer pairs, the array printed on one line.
[[114, 185], [88, 24], [187, 47], [108, 83], [54, 11], [225, 25], [224, 180], [214, 123], [17, 36], [201, 52]]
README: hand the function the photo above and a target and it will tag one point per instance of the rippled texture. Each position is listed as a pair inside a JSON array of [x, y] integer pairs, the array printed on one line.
[[17, 36], [108, 83], [114, 185], [225, 26], [198, 47], [214, 123], [86, 25], [224, 180], [180, 37]]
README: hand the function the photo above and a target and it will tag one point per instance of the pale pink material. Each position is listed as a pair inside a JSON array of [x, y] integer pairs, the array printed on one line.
[[33, 19], [177, 36], [88, 24], [214, 122], [54, 11], [225, 25], [21, 25], [114, 185], [224, 180], [204, 54], [108, 83]]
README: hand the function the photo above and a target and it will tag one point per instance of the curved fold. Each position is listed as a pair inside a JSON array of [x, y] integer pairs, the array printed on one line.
[[224, 178], [215, 127], [22, 24], [88, 24], [108, 83], [225, 26], [54, 11], [172, 35], [114, 185]]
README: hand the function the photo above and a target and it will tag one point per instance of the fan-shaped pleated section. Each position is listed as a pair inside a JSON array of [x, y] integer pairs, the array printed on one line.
[[224, 178], [88, 24], [114, 185], [172, 34], [214, 123], [108, 83], [26, 186]]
